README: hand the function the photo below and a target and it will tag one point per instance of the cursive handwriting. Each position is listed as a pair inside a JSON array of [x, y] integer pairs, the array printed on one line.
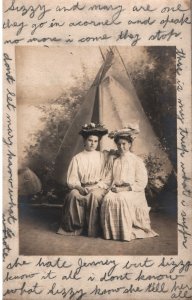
[[35, 289], [185, 181], [147, 21], [183, 135], [49, 275], [92, 15], [83, 264], [53, 264], [14, 24], [70, 293], [180, 55], [43, 40], [126, 34], [10, 79], [183, 228], [147, 263], [37, 26], [54, 24], [74, 7], [9, 277], [164, 35], [17, 263], [180, 113], [39, 11], [11, 216], [181, 266], [108, 277], [101, 292], [143, 8], [132, 289], [156, 288], [179, 85], [106, 22], [7, 234], [94, 39], [9, 140], [16, 41], [158, 277], [178, 8], [181, 21], [10, 156], [72, 275], [117, 9], [124, 290], [10, 100], [113, 19], [181, 291]]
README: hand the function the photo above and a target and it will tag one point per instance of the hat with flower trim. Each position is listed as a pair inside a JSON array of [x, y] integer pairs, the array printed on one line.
[[131, 130], [93, 129]]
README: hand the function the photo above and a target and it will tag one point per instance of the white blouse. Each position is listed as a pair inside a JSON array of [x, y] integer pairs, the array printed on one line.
[[129, 168], [86, 168]]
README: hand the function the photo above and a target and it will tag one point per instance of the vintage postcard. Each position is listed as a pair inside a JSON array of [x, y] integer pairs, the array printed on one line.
[[97, 150]]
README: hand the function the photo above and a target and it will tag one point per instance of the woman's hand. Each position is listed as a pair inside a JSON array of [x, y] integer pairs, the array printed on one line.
[[114, 189], [117, 189], [83, 191], [113, 152]]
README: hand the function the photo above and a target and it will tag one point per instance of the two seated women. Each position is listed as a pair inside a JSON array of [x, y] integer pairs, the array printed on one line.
[[107, 196]]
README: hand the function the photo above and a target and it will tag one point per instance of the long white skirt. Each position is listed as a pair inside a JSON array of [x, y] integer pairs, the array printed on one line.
[[125, 216]]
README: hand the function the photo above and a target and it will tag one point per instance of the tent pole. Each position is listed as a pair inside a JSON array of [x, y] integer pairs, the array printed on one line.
[[123, 64], [100, 102], [102, 54]]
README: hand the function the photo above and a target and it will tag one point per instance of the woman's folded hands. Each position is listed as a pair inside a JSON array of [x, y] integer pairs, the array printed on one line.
[[117, 189], [82, 190]]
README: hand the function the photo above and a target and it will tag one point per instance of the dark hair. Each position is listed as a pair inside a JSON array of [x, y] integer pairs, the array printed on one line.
[[86, 135], [127, 138]]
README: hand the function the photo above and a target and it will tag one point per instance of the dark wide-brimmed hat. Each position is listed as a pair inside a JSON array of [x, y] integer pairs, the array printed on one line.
[[130, 130], [93, 129]]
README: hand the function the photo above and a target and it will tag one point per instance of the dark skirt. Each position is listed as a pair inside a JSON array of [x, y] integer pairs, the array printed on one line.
[[81, 214]]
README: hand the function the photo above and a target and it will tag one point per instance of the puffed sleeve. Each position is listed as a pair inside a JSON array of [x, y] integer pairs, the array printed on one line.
[[105, 181], [110, 156], [141, 177], [108, 177], [73, 174]]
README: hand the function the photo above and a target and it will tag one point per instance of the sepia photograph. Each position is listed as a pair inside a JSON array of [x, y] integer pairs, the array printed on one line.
[[97, 150]]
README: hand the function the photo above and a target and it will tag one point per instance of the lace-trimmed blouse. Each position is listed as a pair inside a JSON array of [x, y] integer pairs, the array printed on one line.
[[130, 168], [86, 168]]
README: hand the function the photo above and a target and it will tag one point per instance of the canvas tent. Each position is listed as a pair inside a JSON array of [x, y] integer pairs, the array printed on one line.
[[112, 101]]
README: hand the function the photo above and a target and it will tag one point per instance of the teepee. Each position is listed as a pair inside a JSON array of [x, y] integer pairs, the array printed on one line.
[[112, 101]]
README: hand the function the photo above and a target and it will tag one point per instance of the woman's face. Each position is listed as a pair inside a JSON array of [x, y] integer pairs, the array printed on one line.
[[91, 143], [123, 146]]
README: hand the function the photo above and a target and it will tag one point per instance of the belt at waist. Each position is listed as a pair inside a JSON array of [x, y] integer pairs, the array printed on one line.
[[122, 185], [89, 184]]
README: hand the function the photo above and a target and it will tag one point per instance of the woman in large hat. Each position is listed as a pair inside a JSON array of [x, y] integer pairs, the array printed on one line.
[[124, 210], [85, 175]]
